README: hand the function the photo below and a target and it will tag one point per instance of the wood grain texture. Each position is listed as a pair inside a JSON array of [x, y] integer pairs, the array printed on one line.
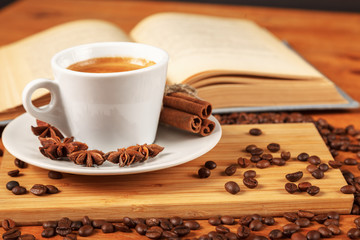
[[178, 190]]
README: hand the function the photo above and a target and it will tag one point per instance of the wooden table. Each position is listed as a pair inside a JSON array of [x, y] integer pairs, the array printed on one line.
[[329, 41]]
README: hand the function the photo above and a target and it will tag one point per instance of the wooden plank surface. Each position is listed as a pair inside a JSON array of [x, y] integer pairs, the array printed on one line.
[[178, 191]]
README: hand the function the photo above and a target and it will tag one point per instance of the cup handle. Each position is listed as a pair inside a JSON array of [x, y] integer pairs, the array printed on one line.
[[53, 113]]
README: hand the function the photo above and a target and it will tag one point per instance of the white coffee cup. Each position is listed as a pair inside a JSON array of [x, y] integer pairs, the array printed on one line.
[[107, 111]]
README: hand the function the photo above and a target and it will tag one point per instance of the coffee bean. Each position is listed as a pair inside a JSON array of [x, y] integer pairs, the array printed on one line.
[[267, 156], [298, 236], [181, 230], [255, 132], [263, 164], [20, 164], [192, 224], [331, 221], [245, 220], [48, 232], [14, 173], [107, 228], [141, 228], [166, 225], [204, 237], [27, 237], [227, 220], [154, 232], [204, 172], [215, 235], [311, 168], [11, 184], [71, 236], [276, 234], [231, 236], [11, 234], [121, 228], [335, 164], [98, 223], [86, 220], [230, 170], [250, 182], [350, 161], [290, 228], [139, 220], [273, 147], [215, 221], [50, 224], [222, 229], [243, 232], [8, 224], [169, 234], [303, 186], [278, 161], [38, 189], [176, 221], [348, 189], [55, 175], [285, 155], [318, 174], [291, 216], [255, 158], [303, 157], [64, 226], [357, 221], [51, 189], [257, 151], [293, 177], [256, 237], [323, 167], [152, 222], [313, 190], [255, 225], [210, 165], [314, 160], [243, 162], [291, 188], [303, 222], [268, 220], [324, 232], [250, 174], [86, 230], [353, 233], [18, 190], [320, 218], [76, 225], [313, 235], [256, 217], [250, 147], [232, 187], [306, 214], [334, 229]]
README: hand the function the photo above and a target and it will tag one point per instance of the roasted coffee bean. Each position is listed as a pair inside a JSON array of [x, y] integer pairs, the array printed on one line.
[[243, 232], [11, 234], [13, 173], [291, 188], [107, 227], [18, 190], [27, 237], [76, 225], [293, 177], [313, 235], [350, 161], [303, 186], [71, 236], [313, 190], [291, 216], [55, 175], [324, 232], [285, 155], [276, 234], [232, 187], [263, 164], [267, 156], [353, 233], [141, 228], [278, 161], [231, 236], [250, 182], [245, 220], [314, 160], [215, 221], [311, 168], [290, 228], [273, 147], [303, 222], [228, 220], [357, 221], [348, 189], [306, 214], [20, 164], [298, 236], [249, 174], [334, 229], [204, 172], [256, 237], [204, 237], [335, 164], [320, 218], [268, 220], [214, 235], [152, 222], [333, 215], [257, 151], [8, 224], [51, 189], [355, 209], [11, 184], [120, 227], [86, 220], [48, 232], [38, 189], [98, 223], [166, 225], [334, 153], [181, 230], [230, 170], [192, 224], [169, 234], [255, 132], [331, 221], [303, 157], [86, 230], [222, 229], [255, 225], [256, 217], [139, 220], [210, 165], [64, 226], [243, 162], [323, 167], [318, 174], [250, 147], [255, 158], [50, 224], [176, 221]]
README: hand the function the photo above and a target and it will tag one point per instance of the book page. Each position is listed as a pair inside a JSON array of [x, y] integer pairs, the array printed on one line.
[[28, 59], [203, 44]]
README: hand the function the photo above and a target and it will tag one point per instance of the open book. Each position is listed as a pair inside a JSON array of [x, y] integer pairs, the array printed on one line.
[[233, 63]]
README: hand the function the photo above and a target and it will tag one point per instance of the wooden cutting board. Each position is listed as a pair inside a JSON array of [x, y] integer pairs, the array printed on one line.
[[178, 190]]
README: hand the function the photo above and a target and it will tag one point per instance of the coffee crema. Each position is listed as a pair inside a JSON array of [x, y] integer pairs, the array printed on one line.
[[110, 64]]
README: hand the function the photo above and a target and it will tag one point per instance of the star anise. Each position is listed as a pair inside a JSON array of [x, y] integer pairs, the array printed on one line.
[[55, 148], [44, 129], [88, 157], [151, 150], [124, 157]]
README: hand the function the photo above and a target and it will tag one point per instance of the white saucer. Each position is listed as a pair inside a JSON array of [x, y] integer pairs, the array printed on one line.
[[180, 147]]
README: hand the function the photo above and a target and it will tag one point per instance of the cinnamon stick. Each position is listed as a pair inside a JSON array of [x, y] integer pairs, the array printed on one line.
[[180, 119], [207, 127], [188, 104]]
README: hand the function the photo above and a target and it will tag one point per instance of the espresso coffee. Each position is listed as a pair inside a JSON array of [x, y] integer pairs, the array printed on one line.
[[110, 64]]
